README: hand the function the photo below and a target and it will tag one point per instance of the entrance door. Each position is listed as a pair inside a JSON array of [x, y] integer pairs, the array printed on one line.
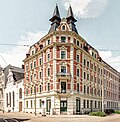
[[91, 105], [48, 105], [63, 106], [77, 105], [20, 106]]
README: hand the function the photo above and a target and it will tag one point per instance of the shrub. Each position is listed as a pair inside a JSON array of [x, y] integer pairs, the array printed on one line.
[[117, 111], [101, 114]]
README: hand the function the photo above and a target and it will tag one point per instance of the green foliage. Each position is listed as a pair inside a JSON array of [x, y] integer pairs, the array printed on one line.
[[101, 114], [117, 111]]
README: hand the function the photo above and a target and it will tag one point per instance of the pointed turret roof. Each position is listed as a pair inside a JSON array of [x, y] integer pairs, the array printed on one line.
[[70, 14], [55, 20], [71, 20], [56, 14]]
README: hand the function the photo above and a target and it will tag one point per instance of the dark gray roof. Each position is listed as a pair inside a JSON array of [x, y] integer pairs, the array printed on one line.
[[71, 20], [18, 73], [56, 14], [70, 14], [55, 20]]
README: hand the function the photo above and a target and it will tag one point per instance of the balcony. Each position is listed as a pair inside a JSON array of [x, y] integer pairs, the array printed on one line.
[[62, 75]]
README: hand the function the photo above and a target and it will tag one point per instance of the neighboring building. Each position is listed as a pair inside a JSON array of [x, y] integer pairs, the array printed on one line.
[[14, 90], [1, 89], [63, 73], [111, 87]]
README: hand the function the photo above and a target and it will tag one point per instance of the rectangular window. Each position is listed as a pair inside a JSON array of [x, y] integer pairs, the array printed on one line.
[[40, 88], [88, 89], [95, 104], [48, 42], [48, 86], [48, 71], [78, 87], [40, 103], [84, 62], [31, 78], [63, 69], [63, 54], [63, 39], [87, 103], [78, 72], [34, 64], [88, 64], [26, 104], [84, 89], [26, 67], [31, 103], [78, 58], [98, 104], [34, 76], [88, 77], [48, 57], [84, 103], [40, 75], [31, 66], [40, 61], [84, 75], [63, 87], [78, 43]]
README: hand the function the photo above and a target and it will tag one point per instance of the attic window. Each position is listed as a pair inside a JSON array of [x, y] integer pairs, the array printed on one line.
[[63, 27]]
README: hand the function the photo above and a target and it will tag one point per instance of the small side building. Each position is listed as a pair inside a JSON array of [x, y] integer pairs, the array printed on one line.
[[14, 90]]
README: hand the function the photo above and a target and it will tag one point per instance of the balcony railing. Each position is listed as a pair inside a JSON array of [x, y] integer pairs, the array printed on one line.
[[62, 75]]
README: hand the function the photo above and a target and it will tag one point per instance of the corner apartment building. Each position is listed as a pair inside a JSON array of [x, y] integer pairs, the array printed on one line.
[[63, 73]]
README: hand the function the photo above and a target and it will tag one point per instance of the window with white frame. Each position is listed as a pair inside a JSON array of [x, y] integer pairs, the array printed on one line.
[[48, 42], [31, 65], [40, 61], [78, 43], [31, 77], [40, 88], [63, 69], [48, 72], [63, 27], [78, 87], [88, 64], [84, 75], [34, 64], [78, 72], [26, 67], [34, 76], [63, 54], [63, 39], [40, 103], [84, 62], [40, 74], [48, 86], [48, 57], [78, 58]]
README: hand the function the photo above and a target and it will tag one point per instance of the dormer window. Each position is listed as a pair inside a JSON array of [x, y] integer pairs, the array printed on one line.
[[63, 27], [63, 39], [48, 42]]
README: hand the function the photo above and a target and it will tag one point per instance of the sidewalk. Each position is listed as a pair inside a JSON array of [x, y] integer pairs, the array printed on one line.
[[28, 117]]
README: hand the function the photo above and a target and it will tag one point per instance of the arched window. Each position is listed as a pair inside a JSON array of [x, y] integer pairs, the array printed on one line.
[[20, 93]]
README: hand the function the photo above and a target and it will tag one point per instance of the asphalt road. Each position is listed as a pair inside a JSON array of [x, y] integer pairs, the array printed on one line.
[[7, 120]]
